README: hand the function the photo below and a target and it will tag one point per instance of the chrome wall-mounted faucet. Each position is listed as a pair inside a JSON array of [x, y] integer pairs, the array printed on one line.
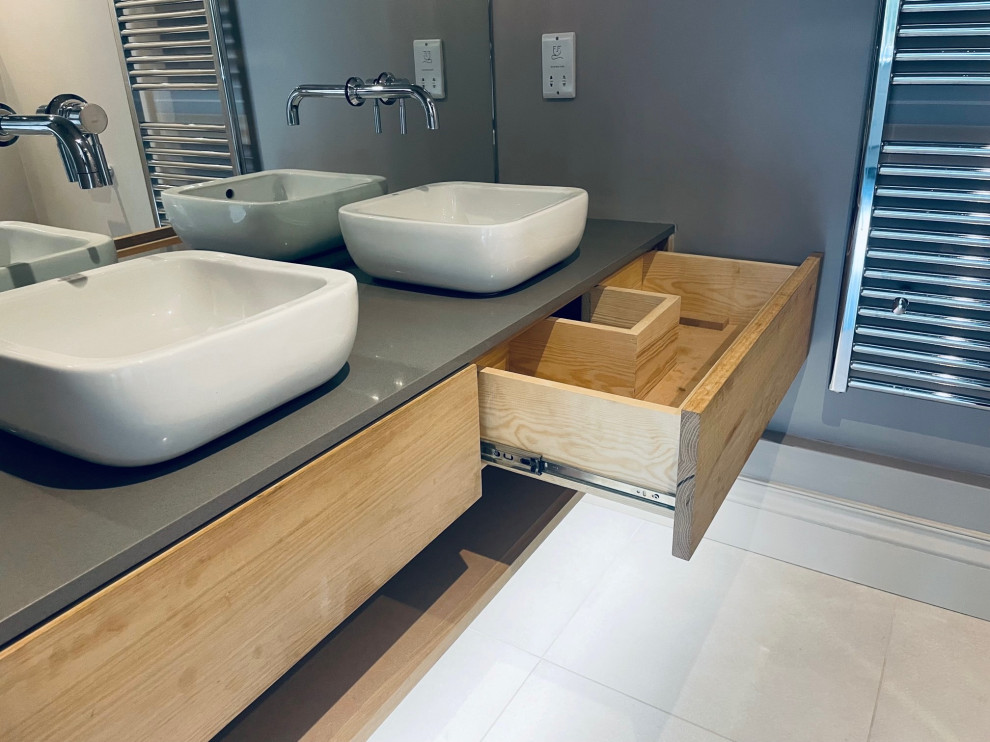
[[76, 126], [384, 89]]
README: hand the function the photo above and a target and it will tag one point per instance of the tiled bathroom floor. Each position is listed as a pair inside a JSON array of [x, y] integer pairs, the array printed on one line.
[[602, 636]]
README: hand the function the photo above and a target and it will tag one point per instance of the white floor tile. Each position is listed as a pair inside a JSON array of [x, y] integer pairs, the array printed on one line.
[[462, 694], [936, 681], [555, 705], [751, 648], [538, 601]]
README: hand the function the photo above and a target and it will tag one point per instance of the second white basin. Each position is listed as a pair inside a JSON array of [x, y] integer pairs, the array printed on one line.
[[141, 361], [475, 237], [30, 253], [277, 214]]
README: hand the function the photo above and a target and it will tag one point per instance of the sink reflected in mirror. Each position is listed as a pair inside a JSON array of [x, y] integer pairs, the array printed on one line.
[[30, 253], [276, 214]]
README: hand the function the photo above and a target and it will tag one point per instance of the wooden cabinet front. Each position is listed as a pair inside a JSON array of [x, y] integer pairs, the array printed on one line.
[[179, 646]]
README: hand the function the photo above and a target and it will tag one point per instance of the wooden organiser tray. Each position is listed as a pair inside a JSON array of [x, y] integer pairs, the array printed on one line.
[[626, 342], [597, 399]]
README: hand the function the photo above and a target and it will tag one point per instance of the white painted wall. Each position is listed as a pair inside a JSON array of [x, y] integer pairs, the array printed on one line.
[[49, 47], [15, 198]]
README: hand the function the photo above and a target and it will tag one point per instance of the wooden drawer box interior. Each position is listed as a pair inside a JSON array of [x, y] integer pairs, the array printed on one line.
[[562, 400]]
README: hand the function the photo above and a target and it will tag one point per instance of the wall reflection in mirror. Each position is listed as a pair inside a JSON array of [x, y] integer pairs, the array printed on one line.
[[195, 90]]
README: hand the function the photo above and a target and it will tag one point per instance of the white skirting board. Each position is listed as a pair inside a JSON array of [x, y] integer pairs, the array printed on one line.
[[918, 559]]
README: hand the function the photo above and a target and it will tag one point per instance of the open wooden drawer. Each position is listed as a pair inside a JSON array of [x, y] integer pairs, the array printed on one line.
[[681, 441]]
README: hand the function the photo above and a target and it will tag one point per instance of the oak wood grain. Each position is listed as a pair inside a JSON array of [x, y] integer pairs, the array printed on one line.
[[656, 343], [742, 337], [618, 437], [723, 417], [630, 276], [625, 347], [625, 308], [497, 357], [477, 554], [578, 353], [142, 238], [698, 348], [177, 647], [707, 321], [736, 289], [141, 242]]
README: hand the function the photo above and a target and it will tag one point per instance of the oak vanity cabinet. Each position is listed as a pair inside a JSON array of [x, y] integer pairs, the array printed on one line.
[[621, 404], [178, 647], [660, 393]]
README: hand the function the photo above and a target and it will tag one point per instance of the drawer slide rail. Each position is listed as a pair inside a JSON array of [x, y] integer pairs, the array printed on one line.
[[532, 463]]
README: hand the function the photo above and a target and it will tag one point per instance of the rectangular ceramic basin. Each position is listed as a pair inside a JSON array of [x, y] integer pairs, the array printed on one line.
[[30, 253], [277, 214], [138, 362], [476, 237]]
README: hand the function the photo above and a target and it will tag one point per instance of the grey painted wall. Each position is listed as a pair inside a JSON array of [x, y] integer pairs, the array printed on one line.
[[315, 41], [741, 123]]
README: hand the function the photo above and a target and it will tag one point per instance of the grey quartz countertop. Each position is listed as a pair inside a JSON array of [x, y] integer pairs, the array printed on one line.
[[67, 527]]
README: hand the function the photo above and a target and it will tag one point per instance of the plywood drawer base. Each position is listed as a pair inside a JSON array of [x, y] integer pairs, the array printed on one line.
[[178, 647], [681, 442]]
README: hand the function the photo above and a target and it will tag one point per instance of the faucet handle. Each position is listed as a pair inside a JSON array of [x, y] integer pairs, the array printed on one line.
[[351, 94], [386, 78], [6, 139], [89, 117]]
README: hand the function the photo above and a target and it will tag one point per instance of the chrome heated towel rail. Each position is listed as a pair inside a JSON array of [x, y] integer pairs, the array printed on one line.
[[185, 90], [915, 314]]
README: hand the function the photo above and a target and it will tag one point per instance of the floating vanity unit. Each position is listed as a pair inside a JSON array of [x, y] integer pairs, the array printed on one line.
[[30, 253], [254, 552], [473, 237], [276, 214], [145, 360]]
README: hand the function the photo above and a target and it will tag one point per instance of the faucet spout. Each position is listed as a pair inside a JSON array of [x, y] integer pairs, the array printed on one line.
[[385, 88], [84, 161], [308, 91]]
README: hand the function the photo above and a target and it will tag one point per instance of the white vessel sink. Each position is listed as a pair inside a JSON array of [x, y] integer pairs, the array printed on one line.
[[138, 362], [30, 253], [476, 237], [277, 214]]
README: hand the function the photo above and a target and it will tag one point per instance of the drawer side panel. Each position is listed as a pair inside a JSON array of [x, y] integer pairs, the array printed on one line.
[[623, 439]]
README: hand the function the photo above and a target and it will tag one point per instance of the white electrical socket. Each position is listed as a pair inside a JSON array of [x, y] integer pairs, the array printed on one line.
[[428, 61], [558, 65]]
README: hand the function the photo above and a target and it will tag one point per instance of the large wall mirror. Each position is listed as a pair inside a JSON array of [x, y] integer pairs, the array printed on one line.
[[274, 47]]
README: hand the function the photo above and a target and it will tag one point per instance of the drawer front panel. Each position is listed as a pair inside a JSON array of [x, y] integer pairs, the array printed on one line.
[[176, 648], [725, 415]]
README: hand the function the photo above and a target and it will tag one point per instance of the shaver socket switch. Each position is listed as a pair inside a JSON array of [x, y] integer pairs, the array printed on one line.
[[558, 65], [428, 61]]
